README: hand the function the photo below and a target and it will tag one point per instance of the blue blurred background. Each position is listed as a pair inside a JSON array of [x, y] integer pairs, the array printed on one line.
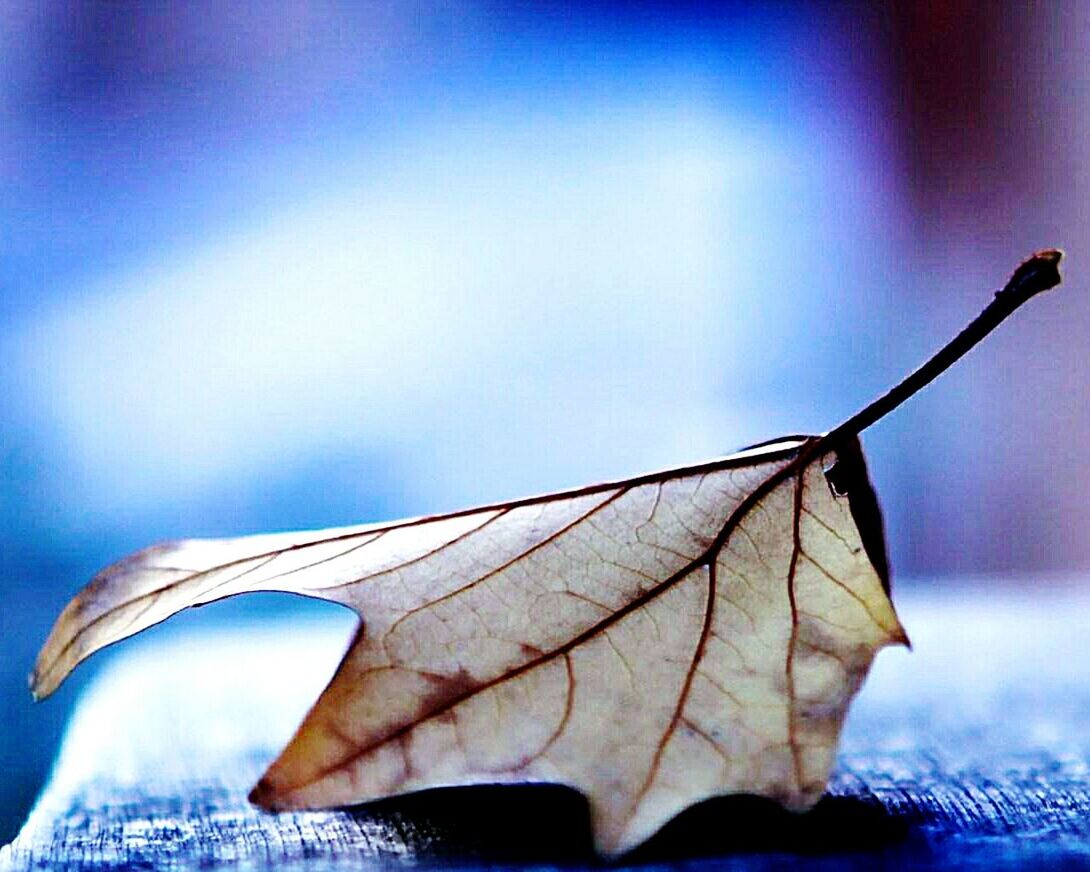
[[278, 265]]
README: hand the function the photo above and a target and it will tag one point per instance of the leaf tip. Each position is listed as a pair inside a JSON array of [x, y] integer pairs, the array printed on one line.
[[53, 663], [39, 682], [263, 795]]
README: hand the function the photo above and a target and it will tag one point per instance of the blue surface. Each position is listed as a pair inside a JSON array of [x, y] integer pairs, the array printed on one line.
[[969, 752]]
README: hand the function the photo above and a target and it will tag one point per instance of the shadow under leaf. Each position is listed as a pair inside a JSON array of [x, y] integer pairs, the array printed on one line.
[[529, 823], [551, 824], [749, 824]]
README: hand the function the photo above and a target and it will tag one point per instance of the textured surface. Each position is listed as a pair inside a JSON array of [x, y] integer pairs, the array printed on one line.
[[972, 750]]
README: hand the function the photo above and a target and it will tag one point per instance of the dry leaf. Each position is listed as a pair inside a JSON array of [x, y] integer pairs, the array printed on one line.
[[650, 642]]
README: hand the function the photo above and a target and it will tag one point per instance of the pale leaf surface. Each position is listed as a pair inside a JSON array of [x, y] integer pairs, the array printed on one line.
[[651, 642]]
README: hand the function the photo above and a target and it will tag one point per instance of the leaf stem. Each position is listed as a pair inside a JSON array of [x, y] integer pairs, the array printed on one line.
[[1039, 273]]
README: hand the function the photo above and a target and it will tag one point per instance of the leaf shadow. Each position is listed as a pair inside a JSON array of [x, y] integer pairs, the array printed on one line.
[[751, 824], [519, 823], [551, 824]]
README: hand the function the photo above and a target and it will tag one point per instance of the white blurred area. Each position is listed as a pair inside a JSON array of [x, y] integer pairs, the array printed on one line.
[[495, 306]]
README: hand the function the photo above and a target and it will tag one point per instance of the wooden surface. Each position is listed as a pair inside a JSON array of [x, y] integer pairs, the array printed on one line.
[[971, 751]]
